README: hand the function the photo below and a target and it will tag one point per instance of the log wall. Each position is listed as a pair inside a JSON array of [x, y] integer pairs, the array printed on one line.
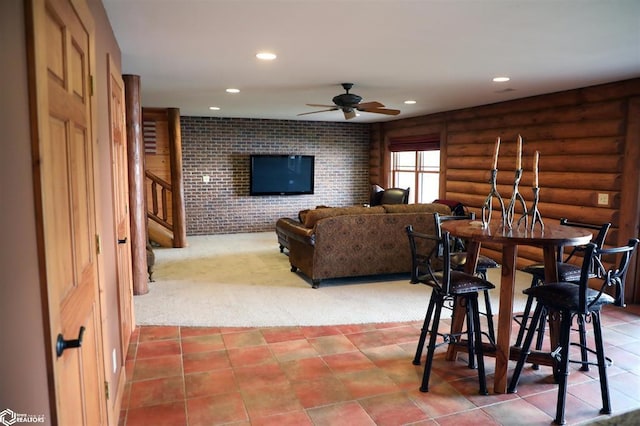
[[159, 162], [588, 141]]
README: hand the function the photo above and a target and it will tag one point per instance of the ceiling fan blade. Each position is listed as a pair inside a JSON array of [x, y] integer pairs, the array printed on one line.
[[323, 110], [322, 105], [387, 111], [367, 105]]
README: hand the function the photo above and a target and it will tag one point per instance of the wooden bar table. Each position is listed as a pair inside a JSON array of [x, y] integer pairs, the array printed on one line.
[[553, 236]]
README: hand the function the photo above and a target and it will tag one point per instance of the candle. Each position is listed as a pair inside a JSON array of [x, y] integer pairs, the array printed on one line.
[[519, 160], [536, 158], [495, 154]]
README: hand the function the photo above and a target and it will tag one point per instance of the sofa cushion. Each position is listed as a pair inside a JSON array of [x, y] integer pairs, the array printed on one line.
[[417, 208], [302, 214], [313, 216]]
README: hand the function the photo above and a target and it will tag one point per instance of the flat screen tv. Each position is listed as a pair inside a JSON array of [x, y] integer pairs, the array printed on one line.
[[281, 174]]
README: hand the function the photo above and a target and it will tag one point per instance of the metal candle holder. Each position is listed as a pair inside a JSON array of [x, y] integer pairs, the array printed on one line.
[[515, 197], [487, 207], [534, 212]]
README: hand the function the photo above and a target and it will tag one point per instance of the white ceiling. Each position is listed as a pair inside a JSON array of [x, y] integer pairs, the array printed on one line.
[[443, 54]]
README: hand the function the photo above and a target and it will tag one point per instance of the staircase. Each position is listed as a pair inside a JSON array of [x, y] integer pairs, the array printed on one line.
[[159, 234], [159, 224]]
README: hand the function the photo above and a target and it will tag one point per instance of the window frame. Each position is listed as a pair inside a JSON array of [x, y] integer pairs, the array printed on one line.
[[417, 144], [419, 170]]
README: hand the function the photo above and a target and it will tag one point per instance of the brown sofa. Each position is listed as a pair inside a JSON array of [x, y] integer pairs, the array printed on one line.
[[354, 241]]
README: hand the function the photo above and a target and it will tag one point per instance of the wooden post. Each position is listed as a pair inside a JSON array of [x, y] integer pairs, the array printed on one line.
[[630, 203], [137, 204], [177, 185]]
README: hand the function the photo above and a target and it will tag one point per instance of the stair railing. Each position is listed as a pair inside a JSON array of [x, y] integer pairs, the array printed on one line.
[[162, 190]]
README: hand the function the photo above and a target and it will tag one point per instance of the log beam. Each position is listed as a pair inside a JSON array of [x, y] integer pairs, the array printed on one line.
[[177, 184], [137, 204]]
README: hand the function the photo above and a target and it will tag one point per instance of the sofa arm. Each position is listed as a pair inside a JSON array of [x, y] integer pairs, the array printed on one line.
[[295, 230]]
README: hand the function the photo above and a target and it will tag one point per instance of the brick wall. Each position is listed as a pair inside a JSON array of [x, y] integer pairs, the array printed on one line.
[[220, 148]]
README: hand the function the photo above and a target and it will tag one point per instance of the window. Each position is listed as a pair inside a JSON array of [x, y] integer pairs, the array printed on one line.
[[419, 170]]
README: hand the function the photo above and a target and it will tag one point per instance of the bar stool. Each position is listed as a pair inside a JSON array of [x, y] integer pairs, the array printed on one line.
[[459, 262], [448, 287], [567, 272], [584, 302]]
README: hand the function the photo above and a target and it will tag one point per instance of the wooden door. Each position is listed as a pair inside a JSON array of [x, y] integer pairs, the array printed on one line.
[[61, 56], [121, 206]]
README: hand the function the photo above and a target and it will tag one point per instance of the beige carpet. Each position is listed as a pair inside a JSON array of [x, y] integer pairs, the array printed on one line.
[[244, 280]]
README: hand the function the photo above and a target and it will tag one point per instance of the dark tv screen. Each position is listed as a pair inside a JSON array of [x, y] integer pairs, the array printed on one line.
[[281, 174]]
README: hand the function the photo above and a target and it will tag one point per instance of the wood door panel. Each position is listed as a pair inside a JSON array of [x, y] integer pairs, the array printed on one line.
[[55, 46], [61, 57], [77, 72], [120, 185], [93, 385], [79, 377], [70, 382], [81, 195], [56, 201]]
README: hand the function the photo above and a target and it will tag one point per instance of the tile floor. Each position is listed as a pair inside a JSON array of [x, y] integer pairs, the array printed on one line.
[[349, 375]]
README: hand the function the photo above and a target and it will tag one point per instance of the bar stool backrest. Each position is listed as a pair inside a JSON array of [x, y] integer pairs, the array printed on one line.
[[437, 262], [612, 278], [598, 240]]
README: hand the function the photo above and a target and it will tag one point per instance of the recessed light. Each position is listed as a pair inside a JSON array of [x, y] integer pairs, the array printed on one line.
[[231, 90], [410, 102], [214, 108], [266, 56], [501, 79]]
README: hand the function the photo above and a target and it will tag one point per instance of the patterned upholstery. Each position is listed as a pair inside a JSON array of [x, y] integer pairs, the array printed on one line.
[[353, 241]]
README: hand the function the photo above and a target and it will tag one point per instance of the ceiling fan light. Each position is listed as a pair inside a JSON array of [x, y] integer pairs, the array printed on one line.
[[501, 79]]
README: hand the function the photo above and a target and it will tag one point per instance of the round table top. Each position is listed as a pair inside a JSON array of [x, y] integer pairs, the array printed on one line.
[[553, 233]]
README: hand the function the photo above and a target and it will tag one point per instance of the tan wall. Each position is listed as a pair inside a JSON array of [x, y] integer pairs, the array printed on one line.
[[23, 366], [23, 371], [588, 141]]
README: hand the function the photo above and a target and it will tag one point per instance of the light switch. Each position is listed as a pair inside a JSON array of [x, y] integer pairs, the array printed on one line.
[[603, 199], [205, 179]]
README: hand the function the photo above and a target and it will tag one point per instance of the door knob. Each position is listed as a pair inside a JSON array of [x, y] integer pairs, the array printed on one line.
[[62, 344], [122, 241]]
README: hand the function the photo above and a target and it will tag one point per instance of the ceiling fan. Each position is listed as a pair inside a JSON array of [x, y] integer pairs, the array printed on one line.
[[349, 103]]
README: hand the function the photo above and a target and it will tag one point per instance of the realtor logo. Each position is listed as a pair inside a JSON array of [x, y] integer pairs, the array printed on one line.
[[7, 417]]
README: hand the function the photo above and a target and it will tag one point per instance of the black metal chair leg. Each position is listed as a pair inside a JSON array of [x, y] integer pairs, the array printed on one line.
[[524, 352], [489, 313], [523, 321], [424, 387], [602, 366], [424, 331], [470, 332], [482, 379], [526, 314], [584, 355], [540, 329], [563, 377], [482, 273]]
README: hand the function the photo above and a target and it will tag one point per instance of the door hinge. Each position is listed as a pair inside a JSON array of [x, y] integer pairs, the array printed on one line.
[[91, 90], [98, 244], [106, 389]]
